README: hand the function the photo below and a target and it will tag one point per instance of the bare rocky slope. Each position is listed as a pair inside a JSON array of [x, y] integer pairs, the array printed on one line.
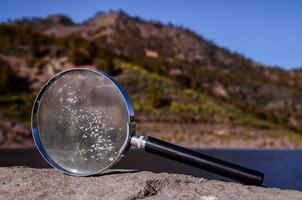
[[27, 183]]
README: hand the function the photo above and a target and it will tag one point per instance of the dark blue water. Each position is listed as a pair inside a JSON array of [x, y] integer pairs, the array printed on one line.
[[282, 169]]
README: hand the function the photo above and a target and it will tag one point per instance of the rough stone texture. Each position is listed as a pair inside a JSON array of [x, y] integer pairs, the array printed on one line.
[[28, 183]]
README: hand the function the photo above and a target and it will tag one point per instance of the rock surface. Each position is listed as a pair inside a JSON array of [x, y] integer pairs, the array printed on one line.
[[28, 183]]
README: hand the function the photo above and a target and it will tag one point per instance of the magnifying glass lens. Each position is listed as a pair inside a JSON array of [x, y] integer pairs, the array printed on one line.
[[82, 121]]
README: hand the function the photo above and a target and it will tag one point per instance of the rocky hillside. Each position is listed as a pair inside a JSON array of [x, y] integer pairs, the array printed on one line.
[[172, 74]]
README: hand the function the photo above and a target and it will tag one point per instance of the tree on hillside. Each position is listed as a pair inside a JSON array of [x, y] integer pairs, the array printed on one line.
[[80, 54], [10, 82]]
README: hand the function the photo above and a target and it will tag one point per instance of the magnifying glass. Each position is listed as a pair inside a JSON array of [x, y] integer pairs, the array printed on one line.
[[83, 123]]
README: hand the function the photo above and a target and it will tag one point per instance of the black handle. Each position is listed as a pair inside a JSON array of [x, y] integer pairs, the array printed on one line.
[[186, 156]]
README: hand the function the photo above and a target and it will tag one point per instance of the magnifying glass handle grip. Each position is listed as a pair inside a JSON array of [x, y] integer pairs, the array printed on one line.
[[202, 161]]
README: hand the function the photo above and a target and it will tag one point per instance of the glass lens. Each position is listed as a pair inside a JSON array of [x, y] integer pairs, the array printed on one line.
[[83, 121]]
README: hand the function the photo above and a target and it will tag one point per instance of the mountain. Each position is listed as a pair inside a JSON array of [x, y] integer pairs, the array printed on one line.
[[173, 74]]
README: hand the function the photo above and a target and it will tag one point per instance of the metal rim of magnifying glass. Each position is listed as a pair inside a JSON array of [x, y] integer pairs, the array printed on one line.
[[35, 121]]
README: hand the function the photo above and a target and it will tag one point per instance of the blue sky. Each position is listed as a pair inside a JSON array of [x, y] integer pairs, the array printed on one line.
[[267, 31]]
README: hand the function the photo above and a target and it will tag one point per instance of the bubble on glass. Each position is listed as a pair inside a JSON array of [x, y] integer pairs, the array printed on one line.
[[83, 121]]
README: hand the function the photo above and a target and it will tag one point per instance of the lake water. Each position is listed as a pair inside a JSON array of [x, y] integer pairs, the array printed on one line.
[[282, 168]]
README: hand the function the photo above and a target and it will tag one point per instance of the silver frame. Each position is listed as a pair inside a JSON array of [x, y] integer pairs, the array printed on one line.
[[35, 128]]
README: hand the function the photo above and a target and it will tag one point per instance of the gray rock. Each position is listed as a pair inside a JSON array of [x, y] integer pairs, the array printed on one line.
[[28, 183]]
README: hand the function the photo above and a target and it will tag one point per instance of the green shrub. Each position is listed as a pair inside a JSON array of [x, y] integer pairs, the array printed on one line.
[[31, 61], [78, 58], [157, 99], [107, 65]]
